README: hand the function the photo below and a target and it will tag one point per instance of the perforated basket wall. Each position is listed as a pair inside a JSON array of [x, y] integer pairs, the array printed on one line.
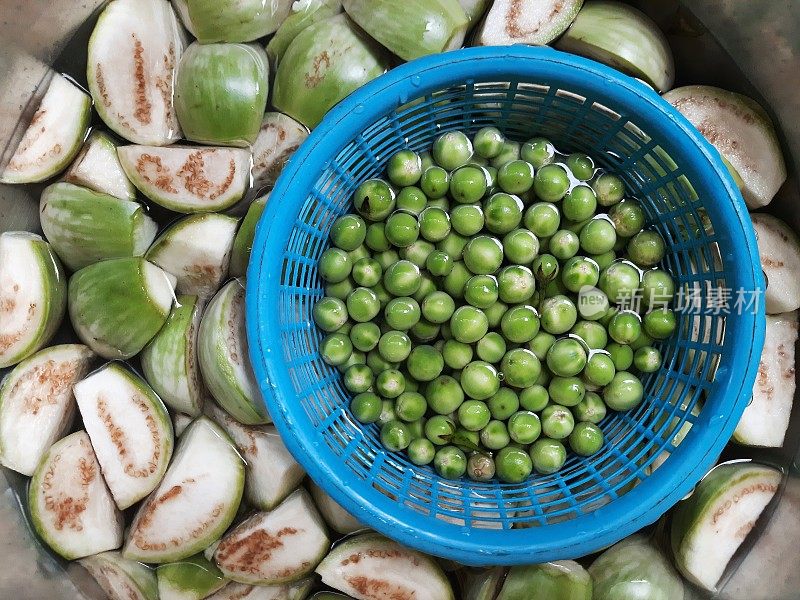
[[709, 366]]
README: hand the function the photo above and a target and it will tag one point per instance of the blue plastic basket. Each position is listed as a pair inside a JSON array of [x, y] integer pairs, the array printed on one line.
[[711, 361]]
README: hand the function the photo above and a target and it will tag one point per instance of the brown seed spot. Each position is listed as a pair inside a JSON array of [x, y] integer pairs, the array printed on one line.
[[101, 85], [751, 489], [67, 509], [378, 589], [773, 263], [195, 180], [315, 78], [515, 10], [247, 554], [144, 109], [152, 170], [51, 380]]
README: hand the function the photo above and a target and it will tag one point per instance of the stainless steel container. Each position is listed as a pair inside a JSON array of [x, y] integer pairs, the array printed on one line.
[[751, 47]]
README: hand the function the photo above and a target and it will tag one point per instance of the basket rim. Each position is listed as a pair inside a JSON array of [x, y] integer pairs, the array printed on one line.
[[588, 532]]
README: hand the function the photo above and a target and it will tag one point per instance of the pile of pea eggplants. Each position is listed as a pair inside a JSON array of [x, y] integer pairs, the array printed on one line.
[[475, 303]]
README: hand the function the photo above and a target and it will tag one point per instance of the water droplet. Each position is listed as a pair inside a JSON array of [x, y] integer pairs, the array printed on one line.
[[359, 108], [416, 80], [403, 98]]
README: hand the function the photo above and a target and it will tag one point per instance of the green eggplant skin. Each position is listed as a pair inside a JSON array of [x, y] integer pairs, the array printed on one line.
[[243, 242], [117, 575], [193, 577], [235, 20], [112, 309], [85, 227], [221, 93], [303, 14], [562, 580], [324, 64]]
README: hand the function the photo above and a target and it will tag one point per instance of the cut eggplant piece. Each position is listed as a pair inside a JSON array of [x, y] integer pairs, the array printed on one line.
[[196, 250], [284, 591], [97, 167], [743, 133], [196, 501], [635, 568], [304, 13], [37, 405], [560, 580], [213, 21], [223, 354], [283, 545], [169, 361], [122, 579], [624, 38], [188, 179], [370, 566], [32, 295], [117, 306], [272, 472], [221, 93], [710, 525], [85, 227], [779, 249], [70, 506], [243, 242], [536, 22], [766, 418], [192, 578], [335, 516], [133, 54], [413, 28], [180, 422], [130, 429], [482, 584], [54, 135], [474, 9], [278, 139]]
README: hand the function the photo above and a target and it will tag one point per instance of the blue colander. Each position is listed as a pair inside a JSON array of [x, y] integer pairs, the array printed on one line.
[[709, 365]]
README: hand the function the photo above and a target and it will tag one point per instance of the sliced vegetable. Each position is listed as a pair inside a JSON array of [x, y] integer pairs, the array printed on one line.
[[196, 501], [743, 133], [324, 63], [243, 242], [710, 525], [304, 13], [368, 565], [779, 248], [169, 361], [561, 580], [624, 38], [223, 354], [196, 250], [335, 516], [474, 9], [272, 472], [279, 137], [483, 584], [97, 167], [133, 54], [526, 21], [635, 568], [766, 418], [32, 295], [130, 429], [192, 578], [122, 579], [117, 306], [36, 404], [180, 422], [413, 28], [70, 506], [221, 93], [53, 137], [85, 226], [233, 20], [280, 546], [188, 179], [283, 591]]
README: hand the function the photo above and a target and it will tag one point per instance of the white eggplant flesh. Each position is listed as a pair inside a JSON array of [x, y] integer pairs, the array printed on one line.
[[710, 525], [779, 250], [283, 545], [70, 506], [224, 361], [97, 167], [196, 250], [279, 137], [766, 418], [335, 516], [196, 501], [180, 422], [131, 69], [120, 578], [192, 578], [283, 591], [370, 567], [169, 361], [188, 179], [130, 429], [743, 133], [37, 406], [272, 472], [535, 22], [53, 137], [32, 295]]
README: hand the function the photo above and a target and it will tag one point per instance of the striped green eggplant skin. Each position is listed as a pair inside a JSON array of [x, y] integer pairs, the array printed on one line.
[[234, 20], [303, 14], [243, 242]]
